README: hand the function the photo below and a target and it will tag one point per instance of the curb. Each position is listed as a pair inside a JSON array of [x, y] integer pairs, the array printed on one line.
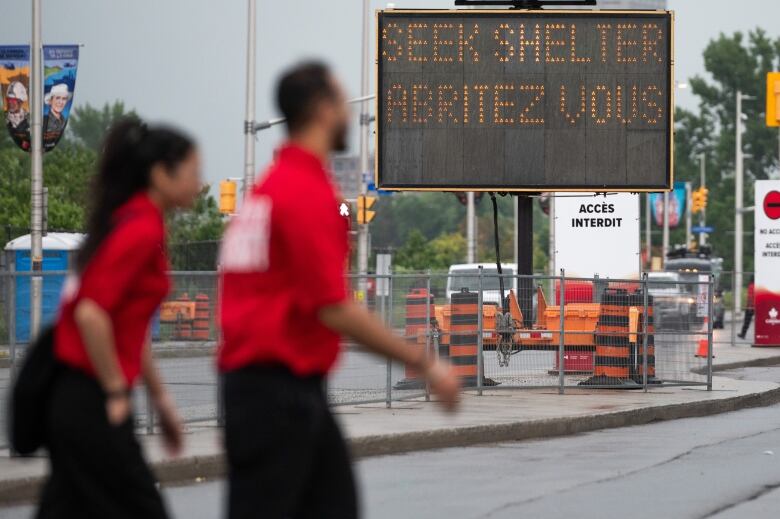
[[213, 466]]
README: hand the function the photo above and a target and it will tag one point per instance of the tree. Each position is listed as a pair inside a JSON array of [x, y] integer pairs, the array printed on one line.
[[416, 254], [734, 63], [88, 124]]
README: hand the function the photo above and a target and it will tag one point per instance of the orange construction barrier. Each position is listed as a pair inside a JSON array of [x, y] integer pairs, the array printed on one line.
[[183, 328], [201, 324], [612, 365], [419, 306]]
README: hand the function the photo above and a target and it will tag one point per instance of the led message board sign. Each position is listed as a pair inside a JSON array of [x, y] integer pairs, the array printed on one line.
[[524, 100]]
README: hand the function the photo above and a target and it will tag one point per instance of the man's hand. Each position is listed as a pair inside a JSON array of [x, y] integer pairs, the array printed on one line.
[[444, 384], [170, 423]]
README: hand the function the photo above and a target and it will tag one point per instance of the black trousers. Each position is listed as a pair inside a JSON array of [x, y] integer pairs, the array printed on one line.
[[97, 470], [746, 323], [286, 456]]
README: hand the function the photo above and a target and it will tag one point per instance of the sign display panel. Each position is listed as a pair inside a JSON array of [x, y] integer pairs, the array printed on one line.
[[524, 101]]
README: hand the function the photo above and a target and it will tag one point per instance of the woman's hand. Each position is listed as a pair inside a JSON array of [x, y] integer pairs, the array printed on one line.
[[117, 408], [170, 423]]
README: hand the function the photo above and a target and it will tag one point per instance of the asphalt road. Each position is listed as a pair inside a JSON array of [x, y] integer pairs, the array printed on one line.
[[724, 466]]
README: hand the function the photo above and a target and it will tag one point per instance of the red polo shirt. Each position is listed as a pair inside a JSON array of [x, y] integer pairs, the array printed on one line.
[[127, 278], [283, 258]]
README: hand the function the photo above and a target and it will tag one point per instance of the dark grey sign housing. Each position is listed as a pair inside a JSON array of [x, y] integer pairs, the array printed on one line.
[[525, 100]]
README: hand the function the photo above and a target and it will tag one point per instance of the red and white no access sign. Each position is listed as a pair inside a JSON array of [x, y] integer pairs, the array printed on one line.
[[772, 205]]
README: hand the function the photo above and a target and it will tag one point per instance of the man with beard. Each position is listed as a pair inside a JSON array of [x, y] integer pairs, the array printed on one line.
[[283, 307], [17, 118]]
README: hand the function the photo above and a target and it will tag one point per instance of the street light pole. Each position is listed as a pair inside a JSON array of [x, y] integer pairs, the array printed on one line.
[[364, 136], [249, 117], [471, 247], [688, 215], [665, 243], [703, 184], [36, 173], [738, 205], [648, 236]]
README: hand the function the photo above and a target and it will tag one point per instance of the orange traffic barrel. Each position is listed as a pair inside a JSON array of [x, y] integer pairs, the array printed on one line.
[[201, 324], [182, 330], [464, 338], [612, 364], [420, 311], [646, 326]]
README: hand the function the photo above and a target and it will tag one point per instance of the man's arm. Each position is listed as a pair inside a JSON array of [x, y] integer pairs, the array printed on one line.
[[354, 321]]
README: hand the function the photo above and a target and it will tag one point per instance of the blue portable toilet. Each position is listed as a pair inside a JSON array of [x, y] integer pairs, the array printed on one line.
[[58, 253]]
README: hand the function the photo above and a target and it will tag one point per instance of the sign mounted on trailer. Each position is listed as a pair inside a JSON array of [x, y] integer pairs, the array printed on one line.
[[524, 100]]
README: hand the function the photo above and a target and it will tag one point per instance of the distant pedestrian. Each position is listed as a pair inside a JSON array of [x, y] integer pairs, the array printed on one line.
[[284, 306], [102, 339], [750, 308]]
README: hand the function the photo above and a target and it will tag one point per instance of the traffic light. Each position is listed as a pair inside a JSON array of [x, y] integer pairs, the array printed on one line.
[[227, 197], [773, 99], [364, 204], [699, 199], [697, 204]]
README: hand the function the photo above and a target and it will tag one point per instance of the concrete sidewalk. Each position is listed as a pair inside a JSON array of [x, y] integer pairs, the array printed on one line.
[[498, 415]]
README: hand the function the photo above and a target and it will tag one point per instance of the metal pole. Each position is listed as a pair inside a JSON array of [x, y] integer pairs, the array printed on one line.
[[688, 215], [471, 239], [738, 201], [665, 246], [514, 235], [552, 236], [561, 340], [362, 259], [703, 184], [710, 287], [36, 158], [648, 236], [389, 382], [645, 327], [428, 329], [249, 117], [480, 361], [733, 309]]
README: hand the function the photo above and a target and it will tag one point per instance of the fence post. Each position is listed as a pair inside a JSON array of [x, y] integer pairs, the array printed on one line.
[[645, 327], [389, 323], [427, 328], [734, 295], [710, 286], [480, 362], [12, 321], [561, 339], [149, 410]]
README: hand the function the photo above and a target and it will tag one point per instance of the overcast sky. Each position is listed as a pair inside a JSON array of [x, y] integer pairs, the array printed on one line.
[[183, 61]]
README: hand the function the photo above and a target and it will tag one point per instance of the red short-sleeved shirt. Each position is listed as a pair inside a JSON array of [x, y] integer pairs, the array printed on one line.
[[127, 277], [283, 258]]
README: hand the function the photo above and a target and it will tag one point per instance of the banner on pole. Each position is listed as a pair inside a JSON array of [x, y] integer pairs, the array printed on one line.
[[60, 63], [677, 206], [15, 88], [767, 263]]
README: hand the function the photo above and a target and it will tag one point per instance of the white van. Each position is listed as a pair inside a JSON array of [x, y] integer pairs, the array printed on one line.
[[466, 276]]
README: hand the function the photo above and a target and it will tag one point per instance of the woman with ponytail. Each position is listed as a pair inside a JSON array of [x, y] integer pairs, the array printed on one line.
[[101, 338]]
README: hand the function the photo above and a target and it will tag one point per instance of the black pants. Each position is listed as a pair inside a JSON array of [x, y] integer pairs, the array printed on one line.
[[97, 470], [746, 323], [287, 458]]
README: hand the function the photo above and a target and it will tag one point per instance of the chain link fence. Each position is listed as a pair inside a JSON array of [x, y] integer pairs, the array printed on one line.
[[616, 334]]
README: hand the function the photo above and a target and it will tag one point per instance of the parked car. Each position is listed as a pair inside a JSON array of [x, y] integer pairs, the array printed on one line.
[[466, 276], [674, 305]]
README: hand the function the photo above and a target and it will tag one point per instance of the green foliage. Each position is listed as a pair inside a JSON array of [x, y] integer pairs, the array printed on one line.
[[89, 124], [203, 222], [734, 63]]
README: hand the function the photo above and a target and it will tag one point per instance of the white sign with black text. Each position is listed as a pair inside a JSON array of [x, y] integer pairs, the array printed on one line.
[[598, 236]]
